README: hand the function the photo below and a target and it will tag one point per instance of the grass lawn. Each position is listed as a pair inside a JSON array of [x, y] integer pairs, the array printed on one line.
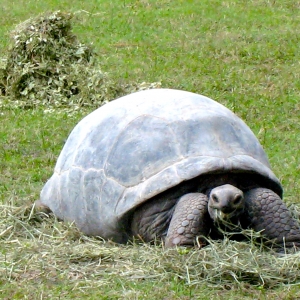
[[244, 54]]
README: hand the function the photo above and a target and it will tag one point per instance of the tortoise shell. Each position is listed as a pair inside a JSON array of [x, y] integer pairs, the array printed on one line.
[[136, 147]]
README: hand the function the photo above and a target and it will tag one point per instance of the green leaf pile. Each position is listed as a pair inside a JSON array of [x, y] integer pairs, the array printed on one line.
[[48, 66]]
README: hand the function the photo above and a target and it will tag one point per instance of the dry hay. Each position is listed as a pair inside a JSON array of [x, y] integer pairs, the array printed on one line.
[[48, 66], [37, 247]]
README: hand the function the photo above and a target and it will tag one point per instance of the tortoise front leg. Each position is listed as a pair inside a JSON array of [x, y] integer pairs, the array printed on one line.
[[190, 219], [267, 213]]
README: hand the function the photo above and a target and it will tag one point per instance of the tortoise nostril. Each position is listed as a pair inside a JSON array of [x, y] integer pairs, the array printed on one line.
[[237, 199], [215, 198]]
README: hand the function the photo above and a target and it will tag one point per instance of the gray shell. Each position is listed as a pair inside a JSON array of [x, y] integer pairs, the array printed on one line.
[[135, 147]]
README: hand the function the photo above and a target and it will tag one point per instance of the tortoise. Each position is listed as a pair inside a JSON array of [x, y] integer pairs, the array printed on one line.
[[167, 165]]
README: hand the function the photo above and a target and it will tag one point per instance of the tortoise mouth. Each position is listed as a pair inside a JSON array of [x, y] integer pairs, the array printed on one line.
[[219, 215]]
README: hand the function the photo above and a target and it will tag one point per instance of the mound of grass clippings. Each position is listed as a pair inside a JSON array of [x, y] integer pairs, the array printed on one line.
[[50, 251], [48, 66]]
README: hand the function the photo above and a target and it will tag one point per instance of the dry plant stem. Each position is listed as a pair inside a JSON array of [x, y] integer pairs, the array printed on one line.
[[190, 219]]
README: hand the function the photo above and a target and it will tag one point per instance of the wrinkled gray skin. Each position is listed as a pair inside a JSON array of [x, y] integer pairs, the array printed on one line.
[[167, 164]]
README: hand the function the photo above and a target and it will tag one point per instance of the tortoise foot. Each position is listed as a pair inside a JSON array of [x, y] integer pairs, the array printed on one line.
[[190, 220], [268, 213], [40, 207]]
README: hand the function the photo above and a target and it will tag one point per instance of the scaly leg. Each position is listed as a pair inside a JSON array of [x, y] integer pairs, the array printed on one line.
[[267, 213], [190, 219]]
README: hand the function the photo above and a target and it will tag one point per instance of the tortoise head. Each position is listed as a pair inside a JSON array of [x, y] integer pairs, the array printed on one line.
[[225, 202]]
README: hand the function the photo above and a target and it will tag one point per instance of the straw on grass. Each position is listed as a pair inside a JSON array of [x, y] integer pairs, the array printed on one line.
[[45, 249]]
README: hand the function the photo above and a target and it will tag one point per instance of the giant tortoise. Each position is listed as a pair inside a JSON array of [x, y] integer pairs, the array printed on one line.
[[169, 165]]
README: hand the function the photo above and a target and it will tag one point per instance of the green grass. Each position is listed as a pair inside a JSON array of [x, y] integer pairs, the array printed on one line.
[[244, 54]]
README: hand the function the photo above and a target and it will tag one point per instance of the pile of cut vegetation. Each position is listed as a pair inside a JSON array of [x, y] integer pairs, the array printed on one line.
[[37, 247], [48, 66]]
